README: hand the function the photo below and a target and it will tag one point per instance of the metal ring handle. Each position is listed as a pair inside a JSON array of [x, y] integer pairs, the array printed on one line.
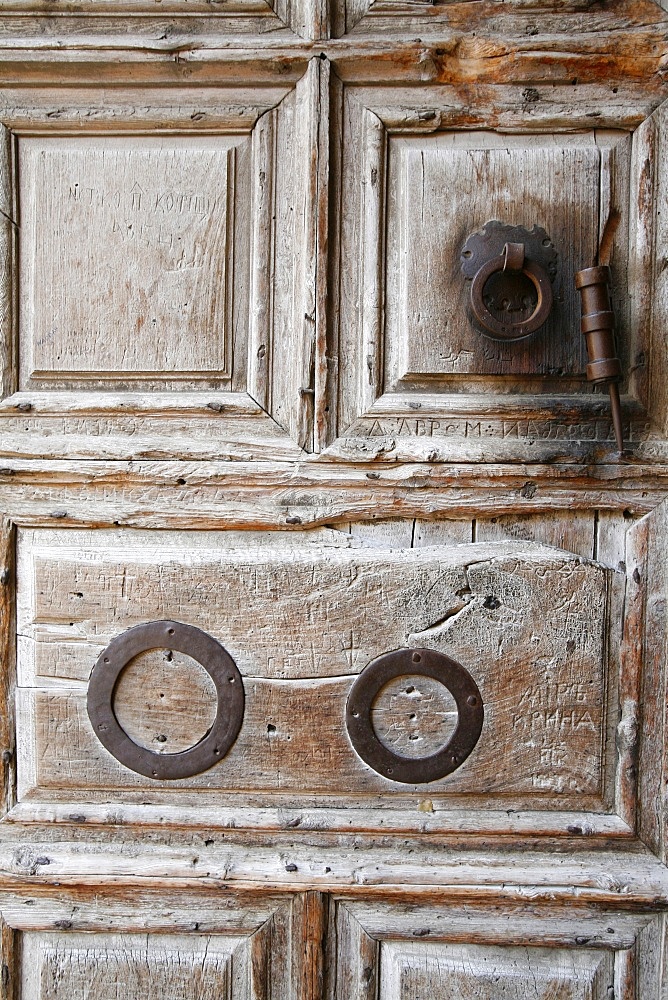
[[430, 663], [209, 654], [496, 328]]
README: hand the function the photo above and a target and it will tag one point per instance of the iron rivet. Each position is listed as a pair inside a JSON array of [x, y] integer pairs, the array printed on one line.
[[472, 700], [416, 657]]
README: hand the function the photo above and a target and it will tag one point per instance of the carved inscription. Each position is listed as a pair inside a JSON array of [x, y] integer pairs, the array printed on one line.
[[460, 427], [549, 720], [125, 256], [528, 622]]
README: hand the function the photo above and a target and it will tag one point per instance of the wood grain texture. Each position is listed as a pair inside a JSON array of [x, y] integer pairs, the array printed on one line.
[[150, 425], [156, 942], [233, 104], [550, 181], [165, 701], [7, 665], [414, 331], [650, 296], [311, 913], [479, 971], [8, 247], [147, 226], [511, 951], [9, 967], [296, 256], [648, 574], [573, 532], [300, 625], [427, 870], [354, 959], [264, 495], [148, 966]]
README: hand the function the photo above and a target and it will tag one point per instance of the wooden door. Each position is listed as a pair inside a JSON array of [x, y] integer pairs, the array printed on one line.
[[243, 393]]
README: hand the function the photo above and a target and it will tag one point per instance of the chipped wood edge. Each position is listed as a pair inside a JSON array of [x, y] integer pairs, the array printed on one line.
[[325, 394], [8, 252], [7, 665], [648, 574], [261, 495], [628, 878], [263, 196], [354, 957], [429, 819]]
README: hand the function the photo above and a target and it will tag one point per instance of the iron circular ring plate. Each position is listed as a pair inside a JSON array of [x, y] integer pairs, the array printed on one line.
[[429, 663], [495, 328], [209, 654]]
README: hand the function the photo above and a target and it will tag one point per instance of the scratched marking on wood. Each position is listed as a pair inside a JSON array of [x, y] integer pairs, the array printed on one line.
[[165, 701], [301, 625], [546, 181], [144, 226]]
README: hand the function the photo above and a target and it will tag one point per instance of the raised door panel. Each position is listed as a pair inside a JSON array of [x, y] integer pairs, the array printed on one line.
[[479, 972], [302, 617], [418, 177], [147, 228], [145, 943], [409, 950], [163, 247]]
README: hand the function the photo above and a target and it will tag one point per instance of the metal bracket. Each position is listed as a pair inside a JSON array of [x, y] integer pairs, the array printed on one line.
[[430, 663], [218, 664], [500, 260], [489, 242]]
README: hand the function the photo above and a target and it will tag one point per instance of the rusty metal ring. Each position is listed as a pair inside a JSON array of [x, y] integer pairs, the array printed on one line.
[[209, 654], [496, 329], [430, 663]]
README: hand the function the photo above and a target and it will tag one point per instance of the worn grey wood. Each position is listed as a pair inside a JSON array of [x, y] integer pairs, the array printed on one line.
[[647, 631], [301, 625], [148, 228], [176, 478]]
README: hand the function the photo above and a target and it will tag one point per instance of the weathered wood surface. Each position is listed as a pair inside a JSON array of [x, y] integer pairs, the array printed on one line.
[[420, 969], [647, 632], [115, 426], [301, 625], [276, 495], [240, 949], [550, 181], [148, 966], [147, 227], [649, 284], [7, 664], [371, 869], [519, 874], [586, 953]]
